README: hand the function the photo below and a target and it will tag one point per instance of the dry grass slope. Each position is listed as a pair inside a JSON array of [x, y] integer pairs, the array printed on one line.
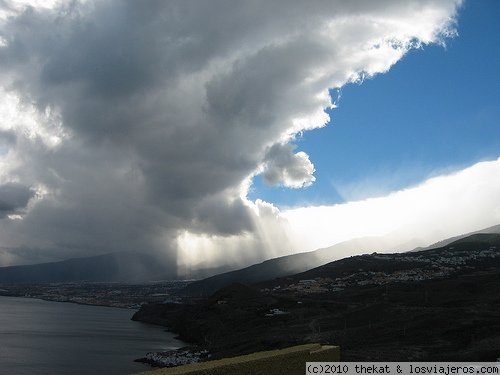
[[289, 361]]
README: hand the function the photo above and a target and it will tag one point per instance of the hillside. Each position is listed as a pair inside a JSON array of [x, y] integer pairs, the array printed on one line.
[[296, 263], [477, 251], [436, 305], [490, 230], [285, 265]]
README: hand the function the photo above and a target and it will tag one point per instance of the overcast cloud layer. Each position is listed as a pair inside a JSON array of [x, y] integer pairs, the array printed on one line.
[[135, 126]]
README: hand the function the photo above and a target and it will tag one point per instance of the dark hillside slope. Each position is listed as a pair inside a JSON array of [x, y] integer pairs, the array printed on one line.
[[283, 266], [108, 267], [296, 263], [429, 260], [490, 230]]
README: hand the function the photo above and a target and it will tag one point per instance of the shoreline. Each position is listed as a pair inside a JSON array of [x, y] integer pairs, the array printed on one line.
[[117, 295], [102, 339], [184, 354], [132, 308]]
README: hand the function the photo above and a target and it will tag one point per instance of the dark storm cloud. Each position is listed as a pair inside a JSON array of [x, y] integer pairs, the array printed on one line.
[[7, 138], [152, 116], [14, 198]]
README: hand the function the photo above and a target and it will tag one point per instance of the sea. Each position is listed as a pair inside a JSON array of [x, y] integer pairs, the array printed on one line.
[[40, 337]]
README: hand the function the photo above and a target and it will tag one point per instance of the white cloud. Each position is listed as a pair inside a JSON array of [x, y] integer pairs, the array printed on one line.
[[153, 117], [9, 8], [283, 167], [439, 208]]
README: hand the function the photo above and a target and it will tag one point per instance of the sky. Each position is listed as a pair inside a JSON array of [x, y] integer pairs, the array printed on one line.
[[435, 112], [228, 132]]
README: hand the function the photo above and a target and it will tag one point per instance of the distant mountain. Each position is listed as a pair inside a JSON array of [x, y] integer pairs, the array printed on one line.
[[296, 263], [112, 267], [137, 267], [493, 229]]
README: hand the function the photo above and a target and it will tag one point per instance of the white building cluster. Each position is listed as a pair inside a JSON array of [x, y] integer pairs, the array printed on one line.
[[433, 265]]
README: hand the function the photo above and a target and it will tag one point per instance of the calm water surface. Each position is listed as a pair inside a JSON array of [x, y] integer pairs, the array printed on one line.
[[40, 337]]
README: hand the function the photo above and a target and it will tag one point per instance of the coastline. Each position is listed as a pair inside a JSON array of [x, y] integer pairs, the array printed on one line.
[[110, 294], [41, 298], [183, 354]]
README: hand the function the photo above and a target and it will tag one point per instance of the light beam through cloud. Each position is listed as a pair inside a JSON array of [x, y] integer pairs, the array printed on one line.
[[148, 120]]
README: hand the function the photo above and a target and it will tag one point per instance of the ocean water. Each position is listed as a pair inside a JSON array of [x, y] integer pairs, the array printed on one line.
[[39, 337]]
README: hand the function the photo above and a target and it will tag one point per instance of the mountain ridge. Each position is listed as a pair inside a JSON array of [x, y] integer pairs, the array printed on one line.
[[111, 267], [301, 262], [139, 267], [442, 243]]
